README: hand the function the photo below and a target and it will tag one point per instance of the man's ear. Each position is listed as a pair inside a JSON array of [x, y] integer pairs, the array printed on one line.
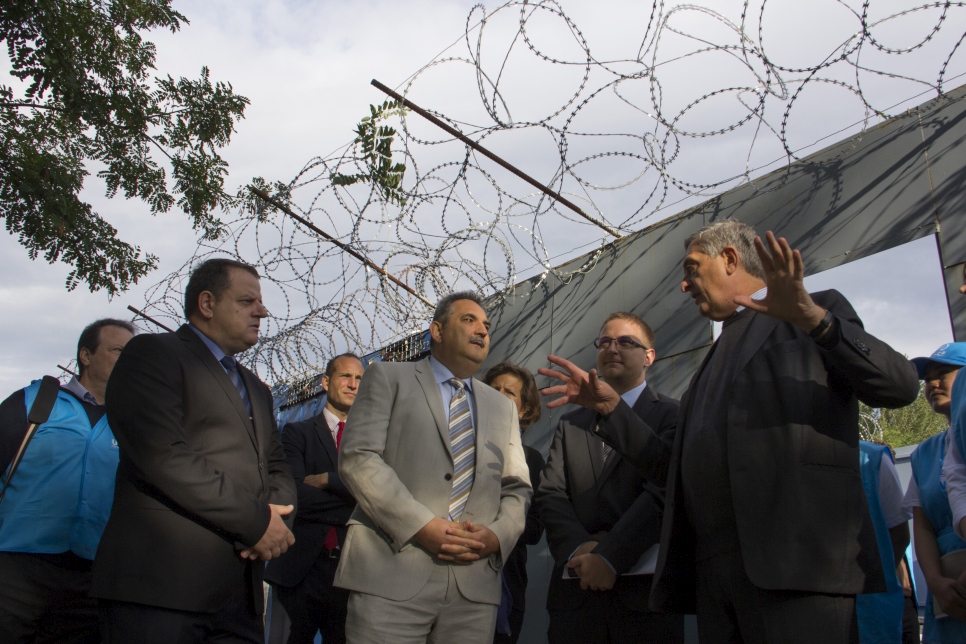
[[84, 357], [325, 383], [649, 357], [206, 304], [731, 259], [436, 331]]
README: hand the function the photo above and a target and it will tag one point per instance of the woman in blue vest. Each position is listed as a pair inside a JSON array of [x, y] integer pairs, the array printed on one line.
[[932, 518], [880, 614]]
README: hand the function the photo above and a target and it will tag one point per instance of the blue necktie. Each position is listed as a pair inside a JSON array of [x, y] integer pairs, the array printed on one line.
[[232, 368], [463, 446]]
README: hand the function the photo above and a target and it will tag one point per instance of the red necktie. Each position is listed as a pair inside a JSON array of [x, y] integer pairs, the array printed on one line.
[[332, 537]]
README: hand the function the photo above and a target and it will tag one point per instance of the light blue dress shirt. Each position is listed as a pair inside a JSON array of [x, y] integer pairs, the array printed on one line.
[[446, 389]]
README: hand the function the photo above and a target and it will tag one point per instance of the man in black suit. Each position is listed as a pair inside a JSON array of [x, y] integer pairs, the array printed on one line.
[[202, 485], [303, 577], [601, 514], [767, 533]]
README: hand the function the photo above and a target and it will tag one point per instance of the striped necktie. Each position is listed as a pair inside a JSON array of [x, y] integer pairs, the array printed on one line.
[[463, 445], [232, 368]]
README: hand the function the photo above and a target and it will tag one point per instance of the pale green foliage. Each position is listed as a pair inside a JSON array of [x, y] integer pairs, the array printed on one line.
[[375, 142], [87, 94], [904, 426]]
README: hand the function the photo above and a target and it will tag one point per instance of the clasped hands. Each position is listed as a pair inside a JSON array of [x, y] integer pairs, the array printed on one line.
[[591, 568], [460, 542], [951, 595], [277, 537]]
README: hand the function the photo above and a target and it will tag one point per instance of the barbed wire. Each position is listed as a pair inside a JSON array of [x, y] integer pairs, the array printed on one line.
[[699, 106]]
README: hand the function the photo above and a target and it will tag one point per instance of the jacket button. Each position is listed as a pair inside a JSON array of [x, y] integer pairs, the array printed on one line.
[[448, 477], [259, 465]]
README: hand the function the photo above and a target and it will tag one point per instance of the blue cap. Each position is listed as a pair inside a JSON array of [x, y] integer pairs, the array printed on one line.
[[953, 353]]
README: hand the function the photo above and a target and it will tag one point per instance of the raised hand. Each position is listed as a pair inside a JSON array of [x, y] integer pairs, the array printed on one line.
[[787, 299], [578, 387]]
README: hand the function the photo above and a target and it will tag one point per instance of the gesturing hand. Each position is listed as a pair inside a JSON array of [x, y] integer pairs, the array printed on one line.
[[579, 387], [787, 299], [277, 537]]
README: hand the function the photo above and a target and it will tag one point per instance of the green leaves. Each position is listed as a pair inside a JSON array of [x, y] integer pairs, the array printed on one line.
[[375, 143], [89, 96]]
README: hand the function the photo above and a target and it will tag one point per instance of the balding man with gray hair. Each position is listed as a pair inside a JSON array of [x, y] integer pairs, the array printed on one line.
[[767, 534]]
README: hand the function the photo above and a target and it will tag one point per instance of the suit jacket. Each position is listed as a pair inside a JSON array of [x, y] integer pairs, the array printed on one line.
[[396, 461], [579, 496], [309, 449], [793, 459], [195, 478]]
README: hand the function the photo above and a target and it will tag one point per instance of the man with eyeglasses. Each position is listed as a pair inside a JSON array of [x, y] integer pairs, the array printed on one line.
[[601, 513], [767, 534]]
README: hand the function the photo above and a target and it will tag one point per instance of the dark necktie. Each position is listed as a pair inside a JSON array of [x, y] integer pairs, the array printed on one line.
[[332, 537], [232, 368]]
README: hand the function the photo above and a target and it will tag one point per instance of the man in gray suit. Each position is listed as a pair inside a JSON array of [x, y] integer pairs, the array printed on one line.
[[435, 461]]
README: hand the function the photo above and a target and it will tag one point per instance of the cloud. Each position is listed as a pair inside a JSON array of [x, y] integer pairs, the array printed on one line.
[[306, 67]]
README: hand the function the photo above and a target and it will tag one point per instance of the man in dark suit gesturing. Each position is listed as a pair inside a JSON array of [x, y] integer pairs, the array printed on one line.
[[202, 485], [767, 533], [601, 514], [303, 577]]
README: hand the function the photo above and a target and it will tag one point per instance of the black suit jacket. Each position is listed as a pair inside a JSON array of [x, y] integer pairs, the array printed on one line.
[[579, 497], [515, 566], [793, 460], [194, 481], [309, 449]]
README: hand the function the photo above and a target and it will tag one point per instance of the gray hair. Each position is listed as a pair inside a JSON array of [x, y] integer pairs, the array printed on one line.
[[713, 238], [444, 308]]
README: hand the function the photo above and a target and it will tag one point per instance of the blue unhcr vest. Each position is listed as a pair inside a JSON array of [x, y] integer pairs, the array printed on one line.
[[61, 495], [879, 614], [927, 464]]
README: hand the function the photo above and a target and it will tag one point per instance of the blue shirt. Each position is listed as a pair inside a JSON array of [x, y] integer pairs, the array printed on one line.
[[446, 389], [631, 396], [214, 348]]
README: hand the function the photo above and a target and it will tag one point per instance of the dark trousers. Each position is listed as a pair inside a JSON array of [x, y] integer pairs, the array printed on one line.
[[236, 622], [731, 609], [910, 622], [43, 598], [603, 618], [516, 623], [316, 605]]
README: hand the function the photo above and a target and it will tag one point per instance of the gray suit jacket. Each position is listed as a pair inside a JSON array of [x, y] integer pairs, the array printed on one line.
[[395, 459]]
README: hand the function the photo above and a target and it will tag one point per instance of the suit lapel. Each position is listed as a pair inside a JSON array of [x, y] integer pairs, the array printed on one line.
[[426, 380], [325, 437], [595, 449], [483, 419], [259, 422], [207, 358], [760, 327], [641, 407]]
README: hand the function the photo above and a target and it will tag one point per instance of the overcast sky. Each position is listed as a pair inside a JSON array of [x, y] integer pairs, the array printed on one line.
[[306, 67]]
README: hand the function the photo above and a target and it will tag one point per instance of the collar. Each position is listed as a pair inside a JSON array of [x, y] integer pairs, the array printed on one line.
[[631, 396], [330, 419], [214, 348], [760, 294], [76, 388], [442, 374]]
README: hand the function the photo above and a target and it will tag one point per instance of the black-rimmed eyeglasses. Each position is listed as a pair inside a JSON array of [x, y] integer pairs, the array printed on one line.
[[623, 342]]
